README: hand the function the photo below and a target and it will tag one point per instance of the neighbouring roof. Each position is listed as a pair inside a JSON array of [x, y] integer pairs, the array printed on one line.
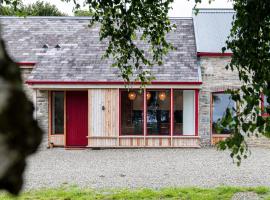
[[79, 58], [212, 27]]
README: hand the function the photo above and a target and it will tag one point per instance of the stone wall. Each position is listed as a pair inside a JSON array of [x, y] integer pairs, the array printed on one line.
[[42, 114], [40, 101], [25, 73], [215, 78]]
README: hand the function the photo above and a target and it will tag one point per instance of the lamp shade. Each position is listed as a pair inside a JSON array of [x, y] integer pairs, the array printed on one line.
[[132, 96], [162, 96], [148, 95]]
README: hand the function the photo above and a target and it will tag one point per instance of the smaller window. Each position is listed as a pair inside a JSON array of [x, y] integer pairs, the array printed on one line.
[[57, 112], [265, 106], [221, 102]]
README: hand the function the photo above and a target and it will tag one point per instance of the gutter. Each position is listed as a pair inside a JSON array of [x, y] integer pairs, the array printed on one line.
[[213, 54], [41, 82]]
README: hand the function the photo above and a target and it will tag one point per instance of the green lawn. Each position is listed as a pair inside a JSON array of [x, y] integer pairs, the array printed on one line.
[[75, 193]]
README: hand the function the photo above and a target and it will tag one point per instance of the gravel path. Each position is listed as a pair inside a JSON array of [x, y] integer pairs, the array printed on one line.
[[155, 168]]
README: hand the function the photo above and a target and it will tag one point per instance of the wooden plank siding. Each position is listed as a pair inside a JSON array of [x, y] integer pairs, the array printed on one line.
[[103, 117], [158, 142], [186, 142], [131, 142]]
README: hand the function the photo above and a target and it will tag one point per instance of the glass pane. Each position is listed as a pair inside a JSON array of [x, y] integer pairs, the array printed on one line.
[[158, 112], [178, 112], [221, 102], [265, 104], [132, 112], [58, 113]]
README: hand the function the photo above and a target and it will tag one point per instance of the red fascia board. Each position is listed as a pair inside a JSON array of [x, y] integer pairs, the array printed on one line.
[[26, 64], [213, 54], [32, 82]]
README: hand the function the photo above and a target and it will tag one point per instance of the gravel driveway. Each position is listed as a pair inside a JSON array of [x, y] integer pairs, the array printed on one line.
[[155, 168]]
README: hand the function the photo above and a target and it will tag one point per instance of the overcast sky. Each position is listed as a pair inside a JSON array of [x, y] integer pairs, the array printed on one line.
[[181, 8]]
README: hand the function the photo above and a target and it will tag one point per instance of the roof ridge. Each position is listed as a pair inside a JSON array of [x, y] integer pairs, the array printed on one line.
[[45, 17], [215, 10], [70, 17]]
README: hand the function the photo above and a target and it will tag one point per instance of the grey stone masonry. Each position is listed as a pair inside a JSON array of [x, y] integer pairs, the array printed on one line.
[[42, 114], [25, 72], [40, 102], [215, 78]]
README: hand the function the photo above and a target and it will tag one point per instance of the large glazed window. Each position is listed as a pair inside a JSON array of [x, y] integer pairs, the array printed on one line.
[[132, 112], [158, 112], [57, 112], [221, 102]]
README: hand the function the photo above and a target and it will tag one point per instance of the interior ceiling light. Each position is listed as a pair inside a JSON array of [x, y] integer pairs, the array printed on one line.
[[132, 96], [148, 95], [162, 96]]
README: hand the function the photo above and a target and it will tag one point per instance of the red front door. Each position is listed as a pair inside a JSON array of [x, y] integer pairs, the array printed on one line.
[[76, 118]]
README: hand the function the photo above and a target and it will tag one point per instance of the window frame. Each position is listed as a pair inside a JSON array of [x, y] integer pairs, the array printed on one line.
[[212, 111], [171, 113], [120, 113], [51, 113]]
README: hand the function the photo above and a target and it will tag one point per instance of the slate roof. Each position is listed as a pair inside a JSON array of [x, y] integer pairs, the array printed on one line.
[[212, 27], [79, 58]]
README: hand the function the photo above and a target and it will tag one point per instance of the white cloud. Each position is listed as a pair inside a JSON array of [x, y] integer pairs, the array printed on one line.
[[181, 8]]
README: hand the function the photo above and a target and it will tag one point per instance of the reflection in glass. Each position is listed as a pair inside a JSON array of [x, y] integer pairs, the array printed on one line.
[[158, 113], [221, 102], [132, 112]]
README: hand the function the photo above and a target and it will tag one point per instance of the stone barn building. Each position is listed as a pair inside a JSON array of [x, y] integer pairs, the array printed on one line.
[[81, 101]]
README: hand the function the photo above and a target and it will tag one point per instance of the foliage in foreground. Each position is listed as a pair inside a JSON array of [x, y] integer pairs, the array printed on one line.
[[75, 193], [249, 41]]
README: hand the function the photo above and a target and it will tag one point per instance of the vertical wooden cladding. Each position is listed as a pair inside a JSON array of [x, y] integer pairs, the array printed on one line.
[[158, 142], [186, 142], [131, 142], [103, 117]]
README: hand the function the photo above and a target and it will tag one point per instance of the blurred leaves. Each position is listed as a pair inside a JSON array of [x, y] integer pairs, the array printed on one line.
[[249, 42], [123, 24]]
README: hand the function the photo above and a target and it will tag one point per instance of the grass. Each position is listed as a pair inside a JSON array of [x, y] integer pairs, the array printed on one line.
[[76, 193]]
